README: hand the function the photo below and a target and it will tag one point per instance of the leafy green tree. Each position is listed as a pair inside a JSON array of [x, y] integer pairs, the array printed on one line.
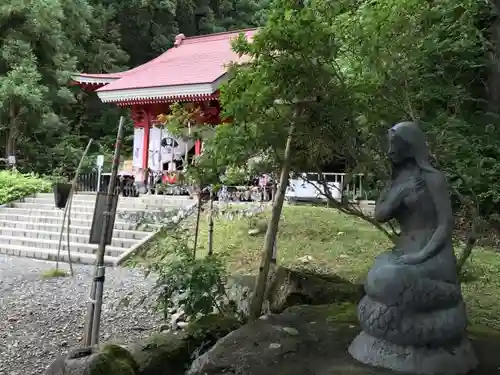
[[36, 62], [43, 121], [368, 66], [287, 102], [429, 62]]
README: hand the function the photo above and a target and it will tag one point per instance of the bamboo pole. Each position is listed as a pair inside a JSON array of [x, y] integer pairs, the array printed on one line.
[[94, 306]]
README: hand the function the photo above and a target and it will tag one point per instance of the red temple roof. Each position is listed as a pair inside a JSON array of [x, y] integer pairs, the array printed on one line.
[[193, 69]]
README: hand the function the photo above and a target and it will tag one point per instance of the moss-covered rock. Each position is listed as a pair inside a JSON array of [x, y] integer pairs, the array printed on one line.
[[106, 360], [170, 353], [302, 339], [290, 287], [344, 312], [115, 359], [309, 340], [212, 327], [165, 353]]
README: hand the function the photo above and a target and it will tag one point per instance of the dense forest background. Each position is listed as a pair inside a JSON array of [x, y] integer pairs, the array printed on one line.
[[47, 123], [438, 64]]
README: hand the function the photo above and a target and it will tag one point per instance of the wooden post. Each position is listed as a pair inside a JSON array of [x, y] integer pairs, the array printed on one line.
[[145, 151]]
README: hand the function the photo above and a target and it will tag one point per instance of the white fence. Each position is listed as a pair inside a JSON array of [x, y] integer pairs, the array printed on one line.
[[308, 186]]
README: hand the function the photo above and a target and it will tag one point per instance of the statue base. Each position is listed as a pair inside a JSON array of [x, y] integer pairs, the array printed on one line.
[[457, 360]]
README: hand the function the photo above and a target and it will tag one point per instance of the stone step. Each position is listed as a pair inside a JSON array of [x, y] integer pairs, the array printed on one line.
[[125, 202], [89, 208], [77, 222], [82, 230], [55, 235], [152, 199], [76, 247], [77, 196], [51, 254], [32, 227], [75, 215]]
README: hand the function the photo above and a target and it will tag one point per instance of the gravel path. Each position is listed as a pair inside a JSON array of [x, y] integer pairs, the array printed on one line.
[[41, 318]]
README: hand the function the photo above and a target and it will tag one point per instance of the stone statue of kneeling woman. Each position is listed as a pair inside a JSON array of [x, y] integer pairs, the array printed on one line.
[[413, 316]]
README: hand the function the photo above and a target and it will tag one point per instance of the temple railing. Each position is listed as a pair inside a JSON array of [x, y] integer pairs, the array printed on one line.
[[303, 186], [94, 181]]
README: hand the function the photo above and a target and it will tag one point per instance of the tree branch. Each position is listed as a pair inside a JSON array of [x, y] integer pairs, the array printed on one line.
[[347, 207]]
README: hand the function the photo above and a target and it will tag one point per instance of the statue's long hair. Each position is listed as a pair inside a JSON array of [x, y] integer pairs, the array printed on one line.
[[414, 137]]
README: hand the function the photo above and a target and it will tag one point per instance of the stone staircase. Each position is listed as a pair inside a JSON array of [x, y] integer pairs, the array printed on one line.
[[31, 227]]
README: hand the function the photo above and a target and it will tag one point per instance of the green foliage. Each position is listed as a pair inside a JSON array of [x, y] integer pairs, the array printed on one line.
[[45, 122], [368, 66], [197, 285], [235, 176], [14, 185], [291, 78], [38, 57], [426, 62]]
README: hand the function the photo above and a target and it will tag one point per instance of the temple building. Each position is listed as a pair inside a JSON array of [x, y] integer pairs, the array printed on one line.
[[190, 72]]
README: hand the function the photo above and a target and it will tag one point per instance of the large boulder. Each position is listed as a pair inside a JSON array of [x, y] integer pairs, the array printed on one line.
[[105, 360], [309, 340], [170, 352], [161, 354], [302, 340], [164, 353], [289, 287]]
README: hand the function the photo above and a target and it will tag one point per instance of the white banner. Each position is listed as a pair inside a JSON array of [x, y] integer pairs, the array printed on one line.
[[154, 159], [138, 143]]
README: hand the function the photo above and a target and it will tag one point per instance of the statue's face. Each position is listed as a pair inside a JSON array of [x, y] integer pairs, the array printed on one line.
[[399, 150]]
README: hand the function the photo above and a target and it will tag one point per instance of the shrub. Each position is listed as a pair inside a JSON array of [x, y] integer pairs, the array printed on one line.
[[195, 286], [15, 185]]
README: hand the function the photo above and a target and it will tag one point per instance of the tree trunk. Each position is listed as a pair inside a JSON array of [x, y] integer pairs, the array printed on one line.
[[10, 148], [272, 229], [494, 74], [275, 188], [211, 224], [197, 225]]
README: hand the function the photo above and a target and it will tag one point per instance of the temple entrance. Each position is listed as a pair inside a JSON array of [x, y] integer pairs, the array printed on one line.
[[180, 164]]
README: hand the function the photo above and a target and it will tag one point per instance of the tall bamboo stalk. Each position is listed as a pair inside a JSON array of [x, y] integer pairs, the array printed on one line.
[[94, 306]]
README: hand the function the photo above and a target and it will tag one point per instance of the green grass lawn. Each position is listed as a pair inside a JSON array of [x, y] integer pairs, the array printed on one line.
[[324, 239]]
